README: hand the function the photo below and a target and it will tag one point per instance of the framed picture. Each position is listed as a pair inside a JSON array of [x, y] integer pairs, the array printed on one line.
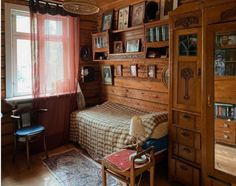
[[107, 20], [166, 7], [228, 41], [152, 71], [85, 53], [119, 69], [106, 75], [123, 18], [133, 70], [132, 45], [138, 14], [118, 47]]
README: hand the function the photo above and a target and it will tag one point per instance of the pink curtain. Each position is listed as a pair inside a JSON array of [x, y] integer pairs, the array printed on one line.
[[55, 63]]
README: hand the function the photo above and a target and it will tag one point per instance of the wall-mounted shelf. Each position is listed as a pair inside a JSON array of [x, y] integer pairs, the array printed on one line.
[[128, 29]]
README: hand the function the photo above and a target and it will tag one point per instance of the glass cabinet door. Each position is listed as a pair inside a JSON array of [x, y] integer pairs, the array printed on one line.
[[225, 102]]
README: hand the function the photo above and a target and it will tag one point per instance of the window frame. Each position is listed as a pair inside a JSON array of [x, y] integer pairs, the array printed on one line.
[[10, 57]]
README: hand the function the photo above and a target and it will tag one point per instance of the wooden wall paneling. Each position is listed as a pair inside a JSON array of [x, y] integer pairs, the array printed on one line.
[[156, 97], [140, 104], [144, 85]]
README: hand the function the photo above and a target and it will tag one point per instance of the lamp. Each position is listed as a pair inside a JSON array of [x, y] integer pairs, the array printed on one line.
[[137, 131], [82, 7]]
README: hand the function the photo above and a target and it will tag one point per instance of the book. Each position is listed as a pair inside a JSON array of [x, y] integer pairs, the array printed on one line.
[[163, 33], [157, 33], [120, 159], [151, 35]]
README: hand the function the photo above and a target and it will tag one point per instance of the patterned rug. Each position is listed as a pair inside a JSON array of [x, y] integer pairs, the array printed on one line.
[[72, 168]]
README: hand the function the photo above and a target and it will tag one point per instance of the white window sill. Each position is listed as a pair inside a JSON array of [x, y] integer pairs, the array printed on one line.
[[17, 100]]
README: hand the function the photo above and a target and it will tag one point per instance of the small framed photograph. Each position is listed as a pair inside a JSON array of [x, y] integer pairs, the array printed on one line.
[[152, 71], [228, 41], [133, 45], [119, 70], [123, 18], [138, 14], [106, 74], [118, 47], [166, 7], [107, 20], [133, 70]]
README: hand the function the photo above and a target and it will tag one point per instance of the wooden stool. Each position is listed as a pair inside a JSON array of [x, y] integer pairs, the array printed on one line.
[[128, 176]]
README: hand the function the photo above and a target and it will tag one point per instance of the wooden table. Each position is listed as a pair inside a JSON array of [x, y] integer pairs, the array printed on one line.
[[128, 175]]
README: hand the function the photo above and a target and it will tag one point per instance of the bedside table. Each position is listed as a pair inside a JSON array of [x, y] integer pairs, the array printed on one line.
[[118, 165]]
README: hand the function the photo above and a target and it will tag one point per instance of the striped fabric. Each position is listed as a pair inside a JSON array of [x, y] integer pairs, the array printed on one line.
[[104, 129]]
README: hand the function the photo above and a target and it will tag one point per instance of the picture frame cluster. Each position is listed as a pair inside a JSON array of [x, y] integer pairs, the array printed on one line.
[[137, 14], [108, 76]]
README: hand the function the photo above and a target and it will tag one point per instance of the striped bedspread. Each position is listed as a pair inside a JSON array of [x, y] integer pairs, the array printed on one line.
[[104, 129]]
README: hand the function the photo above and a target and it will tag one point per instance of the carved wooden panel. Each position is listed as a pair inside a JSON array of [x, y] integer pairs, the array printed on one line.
[[186, 86], [217, 14], [188, 21]]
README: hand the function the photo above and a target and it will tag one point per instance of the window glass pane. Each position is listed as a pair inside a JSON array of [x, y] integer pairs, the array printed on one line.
[[54, 63], [53, 27], [188, 45], [22, 23], [23, 68]]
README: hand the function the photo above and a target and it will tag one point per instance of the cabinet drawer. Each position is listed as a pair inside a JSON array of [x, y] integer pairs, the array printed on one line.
[[214, 182], [225, 137], [186, 120], [225, 125], [185, 174], [186, 137], [187, 153]]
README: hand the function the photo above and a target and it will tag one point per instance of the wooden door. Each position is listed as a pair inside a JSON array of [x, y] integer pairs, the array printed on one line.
[[187, 69]]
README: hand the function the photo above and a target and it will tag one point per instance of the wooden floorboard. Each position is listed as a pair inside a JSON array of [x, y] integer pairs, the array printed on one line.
[[38, 175]]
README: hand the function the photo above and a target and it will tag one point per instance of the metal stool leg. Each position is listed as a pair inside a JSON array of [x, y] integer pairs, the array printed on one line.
[[15, 148], [27, 151], [44, 145]]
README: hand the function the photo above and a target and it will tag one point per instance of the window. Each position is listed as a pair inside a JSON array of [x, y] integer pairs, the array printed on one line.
[[18, 51], [55, 52]]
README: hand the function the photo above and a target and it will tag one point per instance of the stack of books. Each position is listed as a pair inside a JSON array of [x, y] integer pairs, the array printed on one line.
[[158, 33], [225, 111]]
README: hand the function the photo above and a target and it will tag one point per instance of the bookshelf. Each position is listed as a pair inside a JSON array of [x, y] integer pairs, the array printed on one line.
[[157, 39]]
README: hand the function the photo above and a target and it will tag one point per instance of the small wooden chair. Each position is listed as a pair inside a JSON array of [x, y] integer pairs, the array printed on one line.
[[27, 132], [128, 176]]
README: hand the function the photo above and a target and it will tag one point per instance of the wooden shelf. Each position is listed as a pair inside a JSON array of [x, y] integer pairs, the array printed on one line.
[[157, 23], [128, 29], [157, 44], [127, 55], [223, 78]]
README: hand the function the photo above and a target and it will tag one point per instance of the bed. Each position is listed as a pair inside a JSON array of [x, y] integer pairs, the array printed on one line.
[[104, 129]]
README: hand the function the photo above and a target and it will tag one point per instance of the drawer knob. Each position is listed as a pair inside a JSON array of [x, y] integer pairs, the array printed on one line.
[[186, 116], [226, 136], [183, 167], [185, 134], [226, 125]]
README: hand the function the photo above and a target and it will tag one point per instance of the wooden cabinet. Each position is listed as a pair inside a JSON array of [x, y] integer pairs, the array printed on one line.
[[203, 93], [185, 103]]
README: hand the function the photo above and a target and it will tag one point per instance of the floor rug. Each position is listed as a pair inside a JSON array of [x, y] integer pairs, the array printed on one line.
[[72, 168]]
